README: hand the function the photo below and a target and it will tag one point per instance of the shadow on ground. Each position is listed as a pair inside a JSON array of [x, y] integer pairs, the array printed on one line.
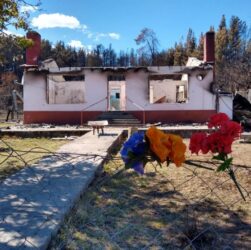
[[164, 210]]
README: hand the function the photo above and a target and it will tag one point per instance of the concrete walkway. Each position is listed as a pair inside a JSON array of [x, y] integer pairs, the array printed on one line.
[[34, 201]]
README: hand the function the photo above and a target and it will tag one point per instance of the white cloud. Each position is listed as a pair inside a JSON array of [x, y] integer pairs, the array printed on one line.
[[98, 35], [76, 44], [84, 27], [114, 36], [56, 20], [8, 32], [90, 35], [28, 8]]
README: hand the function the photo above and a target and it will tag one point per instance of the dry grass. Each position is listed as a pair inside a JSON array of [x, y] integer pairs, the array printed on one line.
[[5, 124], [11, 161], [185, 208]]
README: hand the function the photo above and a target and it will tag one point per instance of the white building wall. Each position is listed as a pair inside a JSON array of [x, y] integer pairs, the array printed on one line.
[[137, 94], [199, 96], [226, 105], [63, 92], [35, 98]]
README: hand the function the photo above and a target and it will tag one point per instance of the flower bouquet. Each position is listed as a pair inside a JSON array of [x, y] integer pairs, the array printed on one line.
[[153, 145], [219, 142]]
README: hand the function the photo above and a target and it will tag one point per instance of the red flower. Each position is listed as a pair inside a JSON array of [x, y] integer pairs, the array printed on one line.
[[217, 120], [219, 143], [231, 128], [197, 142]]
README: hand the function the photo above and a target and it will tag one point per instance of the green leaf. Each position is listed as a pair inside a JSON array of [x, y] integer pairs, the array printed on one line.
[[133, 159], [220, 157], [24, 42], [225, 165]]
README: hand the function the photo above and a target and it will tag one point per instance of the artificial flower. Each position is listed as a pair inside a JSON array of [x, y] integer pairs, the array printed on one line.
[[178, 149], [166, 146], [231, 128], [138, 166], [135, 144], [133, 151], [197, 142], [140, 149], [217, 120], [159, 142], [219, 141]]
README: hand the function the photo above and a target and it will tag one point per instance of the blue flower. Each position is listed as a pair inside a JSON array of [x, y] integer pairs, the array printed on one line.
[[134, 144], [138, 167], [133, 151]]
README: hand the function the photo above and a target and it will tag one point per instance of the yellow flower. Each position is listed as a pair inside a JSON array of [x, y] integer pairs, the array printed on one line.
[[166, 146]]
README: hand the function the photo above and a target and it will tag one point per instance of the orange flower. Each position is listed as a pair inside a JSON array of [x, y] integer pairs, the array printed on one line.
[[159, 143], [178, 150], [166, 146]]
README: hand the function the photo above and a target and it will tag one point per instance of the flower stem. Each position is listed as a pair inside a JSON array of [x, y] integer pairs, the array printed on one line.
[[232, 175]]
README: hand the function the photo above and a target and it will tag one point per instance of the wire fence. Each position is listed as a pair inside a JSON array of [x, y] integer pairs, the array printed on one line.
[[191, 207]]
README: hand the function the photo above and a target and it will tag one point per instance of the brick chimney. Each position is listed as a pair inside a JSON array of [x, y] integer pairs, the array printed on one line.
[[33, 52], [209, 47]]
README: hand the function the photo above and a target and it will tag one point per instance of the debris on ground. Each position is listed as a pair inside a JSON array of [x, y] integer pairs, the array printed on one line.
[[70, 138], [242, 110]]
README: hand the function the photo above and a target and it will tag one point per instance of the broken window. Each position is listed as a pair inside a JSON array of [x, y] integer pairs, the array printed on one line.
[[69, 78], [180, 94], [116, 78], [65, 89], [168, 88]]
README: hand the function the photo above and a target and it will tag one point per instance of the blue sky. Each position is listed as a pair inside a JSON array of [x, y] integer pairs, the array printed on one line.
[[85, 23]]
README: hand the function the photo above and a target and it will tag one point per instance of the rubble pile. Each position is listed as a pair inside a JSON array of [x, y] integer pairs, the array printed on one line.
[[242, 110]]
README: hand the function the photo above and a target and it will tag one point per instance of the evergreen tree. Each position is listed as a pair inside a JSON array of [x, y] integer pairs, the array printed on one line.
[[11, 54], [221, 41], [190, 45], [81, 58], [133, 58], [199, 53], [180, 57], [236, 31], [59, 54], [46, 50], [170, 57]]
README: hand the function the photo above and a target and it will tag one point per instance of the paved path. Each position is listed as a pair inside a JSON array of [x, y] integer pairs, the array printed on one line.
[[34, 201]]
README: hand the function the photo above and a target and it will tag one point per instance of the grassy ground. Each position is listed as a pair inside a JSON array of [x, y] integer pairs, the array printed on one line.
[[6, 124], [185, 208], [11, 160], [15, 121]]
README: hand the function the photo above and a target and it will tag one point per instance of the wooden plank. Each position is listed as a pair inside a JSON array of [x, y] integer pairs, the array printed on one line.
[[98, 123]]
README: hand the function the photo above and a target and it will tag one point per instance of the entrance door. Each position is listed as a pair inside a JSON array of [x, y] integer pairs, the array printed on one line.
[[116, 93], [114, 99]]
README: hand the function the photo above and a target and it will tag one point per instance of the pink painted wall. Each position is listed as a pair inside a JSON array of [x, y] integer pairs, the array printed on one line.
[[137, 91]]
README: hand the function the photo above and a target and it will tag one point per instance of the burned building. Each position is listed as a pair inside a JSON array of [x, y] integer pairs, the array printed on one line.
[[76, 95]]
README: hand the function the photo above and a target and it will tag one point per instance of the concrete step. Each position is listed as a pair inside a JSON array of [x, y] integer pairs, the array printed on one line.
[[124, 122], [119, 118], [117, 115]]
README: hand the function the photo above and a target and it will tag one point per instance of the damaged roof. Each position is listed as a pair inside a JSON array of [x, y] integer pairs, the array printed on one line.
[[193, 64]]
